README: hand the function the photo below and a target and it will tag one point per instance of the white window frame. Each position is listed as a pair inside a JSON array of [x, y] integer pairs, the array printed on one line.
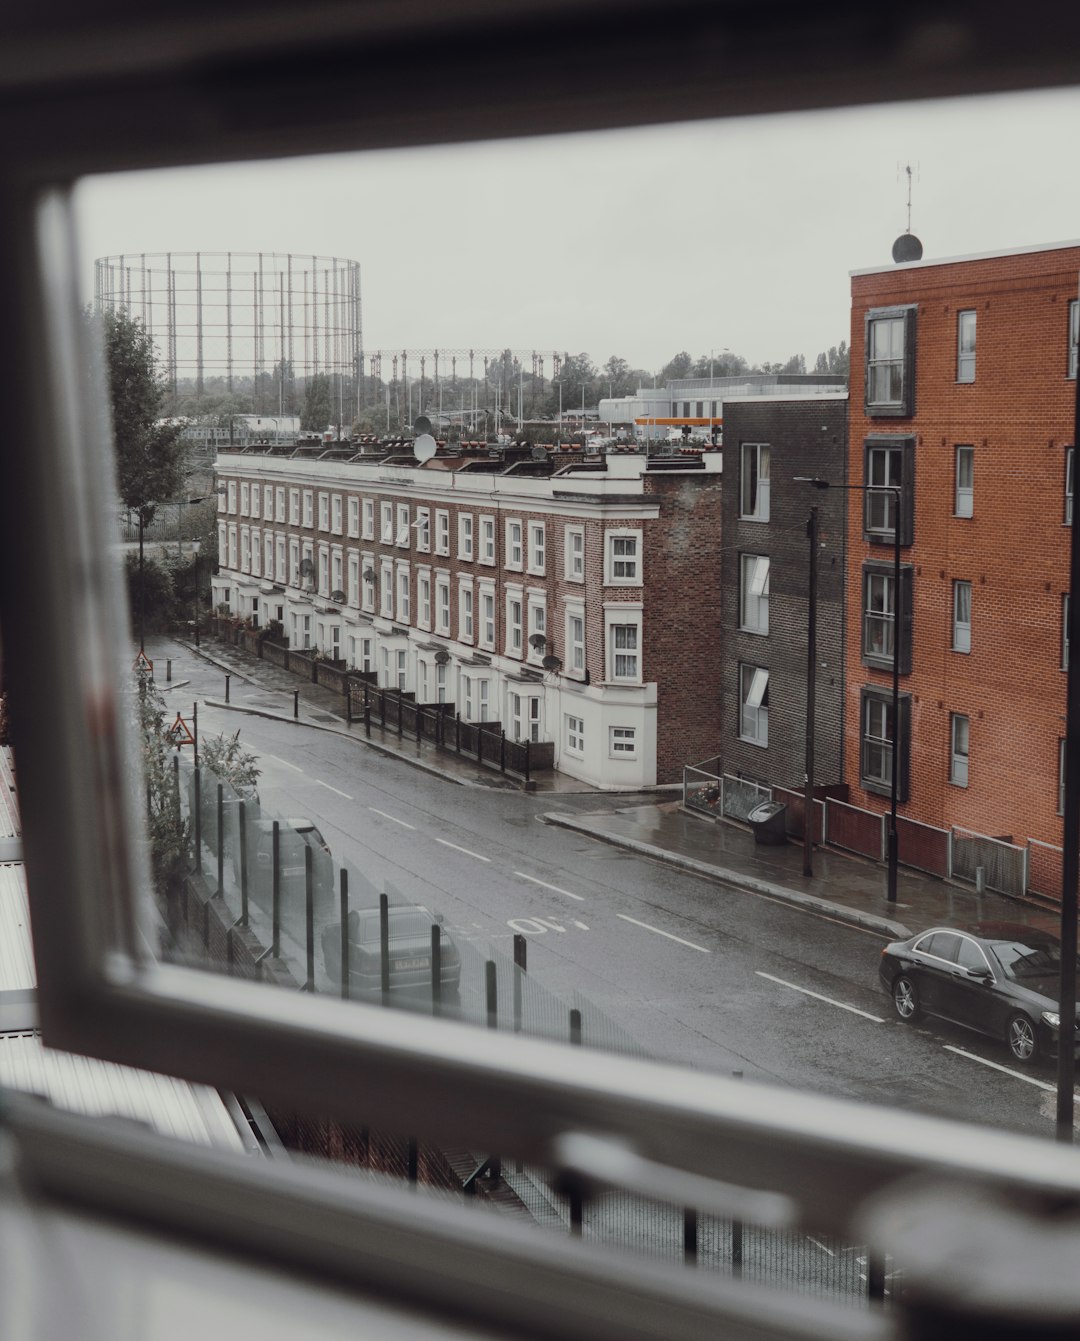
[[575, 662], [514, 538], [279, 504], [403, 539], [294, 561], [245, 499], [623, 569], [324, 511], [537, 548], [404, 593], [959, 748], [368, 588], [964, 505], [515, 623], [256, 501], [353, 589], [309, 509], [754, 576], [753, 704], [336, 514], [368, 533], [423, 598], [232, 497], [442, 531], [281, 572], [442, 603], [256, 552], [966, 328], [537, 617], [466, 539], [466, 611], [386, 589], [353, 513], [268, 502], [294, 507], [337, 569], [485, 634], [422, 527], [574, 734], [622, 742], [623, 644], [386, 523], [1074, 337], [961, 619], [574, 554], [233, 543], [754, 485], [487, 551], [223, 544], [324, 570], [268, 554]]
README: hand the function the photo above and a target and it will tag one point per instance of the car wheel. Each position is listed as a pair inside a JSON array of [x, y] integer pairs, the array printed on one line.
[[1021, 1038], [905, 996]]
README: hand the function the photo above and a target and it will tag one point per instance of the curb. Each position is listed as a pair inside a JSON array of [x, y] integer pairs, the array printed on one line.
[[896, 931]]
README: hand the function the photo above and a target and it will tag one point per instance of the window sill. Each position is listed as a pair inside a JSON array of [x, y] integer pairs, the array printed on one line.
[[749, 740], [876, 788], [757, 633]]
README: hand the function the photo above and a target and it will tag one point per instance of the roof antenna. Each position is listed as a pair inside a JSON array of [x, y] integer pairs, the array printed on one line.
[[907, 246]]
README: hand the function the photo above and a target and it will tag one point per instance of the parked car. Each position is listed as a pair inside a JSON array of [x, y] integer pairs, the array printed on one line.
[[409, 945], [294, 835], [998, 978]]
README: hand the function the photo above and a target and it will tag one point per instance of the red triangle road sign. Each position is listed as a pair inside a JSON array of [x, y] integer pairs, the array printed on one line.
[[180, 733]]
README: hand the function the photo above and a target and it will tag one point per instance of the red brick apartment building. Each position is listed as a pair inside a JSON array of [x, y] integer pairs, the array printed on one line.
[[962, 392], [577, 605]]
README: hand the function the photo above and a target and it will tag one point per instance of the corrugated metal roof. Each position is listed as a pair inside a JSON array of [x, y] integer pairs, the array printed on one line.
[[10, 826], [87, 1085], [16, 954]]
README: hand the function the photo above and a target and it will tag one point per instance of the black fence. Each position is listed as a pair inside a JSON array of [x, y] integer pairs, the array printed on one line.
[[485, 742]]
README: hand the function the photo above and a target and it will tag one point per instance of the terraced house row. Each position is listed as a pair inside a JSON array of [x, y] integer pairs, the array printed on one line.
[[575, 605]]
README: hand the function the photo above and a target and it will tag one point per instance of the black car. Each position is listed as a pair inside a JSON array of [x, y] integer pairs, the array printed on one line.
[[998, 978], [409, 936]]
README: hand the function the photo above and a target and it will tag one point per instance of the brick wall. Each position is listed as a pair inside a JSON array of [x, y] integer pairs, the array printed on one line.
[[806, 437], [1018, 416]]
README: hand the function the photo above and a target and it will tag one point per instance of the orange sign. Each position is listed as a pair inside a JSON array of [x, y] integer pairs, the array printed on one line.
[[180, 733], [143, 663]]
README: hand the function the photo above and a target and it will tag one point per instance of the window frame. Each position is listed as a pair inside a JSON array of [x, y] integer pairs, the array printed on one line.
[[750, 575], [514, 552], [964, 495], [612, 561], [753, 685], [754, 501], [537, 549], [959, 751], [902, 447], [880, 699], [902, 407], [466, 545], [961, 628], [622, 751], [574, 553], [872, 571], [966, 324], [621, 618], [1072, 339]]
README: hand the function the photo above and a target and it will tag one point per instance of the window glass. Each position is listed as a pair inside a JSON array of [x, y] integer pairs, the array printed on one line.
[[970, 956], [965, 481], [965, 354]]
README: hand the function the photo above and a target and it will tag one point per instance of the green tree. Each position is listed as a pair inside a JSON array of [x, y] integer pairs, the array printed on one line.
[[316, 412], [682, 365], [230, 762], [150, 455], [167, 829]]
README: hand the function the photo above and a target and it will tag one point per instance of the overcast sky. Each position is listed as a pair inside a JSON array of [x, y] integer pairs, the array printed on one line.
[[728, 234]]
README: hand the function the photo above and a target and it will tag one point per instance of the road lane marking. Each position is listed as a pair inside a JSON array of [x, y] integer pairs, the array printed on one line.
[[1018, 1075], [818, 1244], [818, 997], [447, 843], [656, 930], [555, 888], [284, 762], [333, 789], [376, 811]]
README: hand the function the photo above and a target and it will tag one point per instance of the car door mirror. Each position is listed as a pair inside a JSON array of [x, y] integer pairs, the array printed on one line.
[[981, 972]]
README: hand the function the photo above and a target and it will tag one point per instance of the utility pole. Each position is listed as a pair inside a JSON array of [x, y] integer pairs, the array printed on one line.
[[811, 696]]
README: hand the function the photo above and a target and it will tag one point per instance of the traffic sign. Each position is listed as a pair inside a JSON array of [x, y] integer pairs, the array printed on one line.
[[143, 664], [180, 733]]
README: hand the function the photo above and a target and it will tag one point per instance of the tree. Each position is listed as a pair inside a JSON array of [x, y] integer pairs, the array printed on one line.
[[795, 364], [167, 830], [229, 762], [682, 365], [316, 412], [150, 455], [835, 360]]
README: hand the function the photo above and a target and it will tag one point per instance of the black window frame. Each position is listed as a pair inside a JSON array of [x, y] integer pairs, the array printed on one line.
[[902, 639], [904, 408], [904, 443], [875, 785]]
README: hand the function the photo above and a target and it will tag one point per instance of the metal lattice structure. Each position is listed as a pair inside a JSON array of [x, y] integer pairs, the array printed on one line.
[[253, 321]]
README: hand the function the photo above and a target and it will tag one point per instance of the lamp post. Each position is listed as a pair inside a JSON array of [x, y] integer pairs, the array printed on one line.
[[897, 494]]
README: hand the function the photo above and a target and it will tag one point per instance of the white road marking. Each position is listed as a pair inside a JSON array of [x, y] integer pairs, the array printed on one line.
[[333, 789], [656, 930], [1018, 1075], [818, 997], [555, 888], [818, 1244], [375, 811], [447, 843], [284, 763]]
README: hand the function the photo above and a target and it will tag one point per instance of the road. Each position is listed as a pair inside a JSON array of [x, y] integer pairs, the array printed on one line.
[[696, 972]]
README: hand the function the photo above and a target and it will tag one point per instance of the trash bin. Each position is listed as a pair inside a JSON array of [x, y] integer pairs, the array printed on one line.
[[768, 822]]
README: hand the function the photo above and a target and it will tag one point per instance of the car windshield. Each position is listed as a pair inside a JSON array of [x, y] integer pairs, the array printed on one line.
[[1032, 957]]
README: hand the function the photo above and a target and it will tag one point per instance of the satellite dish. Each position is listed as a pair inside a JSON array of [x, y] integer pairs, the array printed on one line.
[[338, 597], [422, 425], [307, 568], [442, 656], [539, 453], [907, 247], [537, 640], [424, 447], [551, 663], [369, 574]]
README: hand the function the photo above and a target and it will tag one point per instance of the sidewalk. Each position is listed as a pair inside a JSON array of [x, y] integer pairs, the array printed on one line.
[[845, 887]]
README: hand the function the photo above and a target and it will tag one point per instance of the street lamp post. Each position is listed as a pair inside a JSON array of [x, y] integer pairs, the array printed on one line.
[[897, 494]]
